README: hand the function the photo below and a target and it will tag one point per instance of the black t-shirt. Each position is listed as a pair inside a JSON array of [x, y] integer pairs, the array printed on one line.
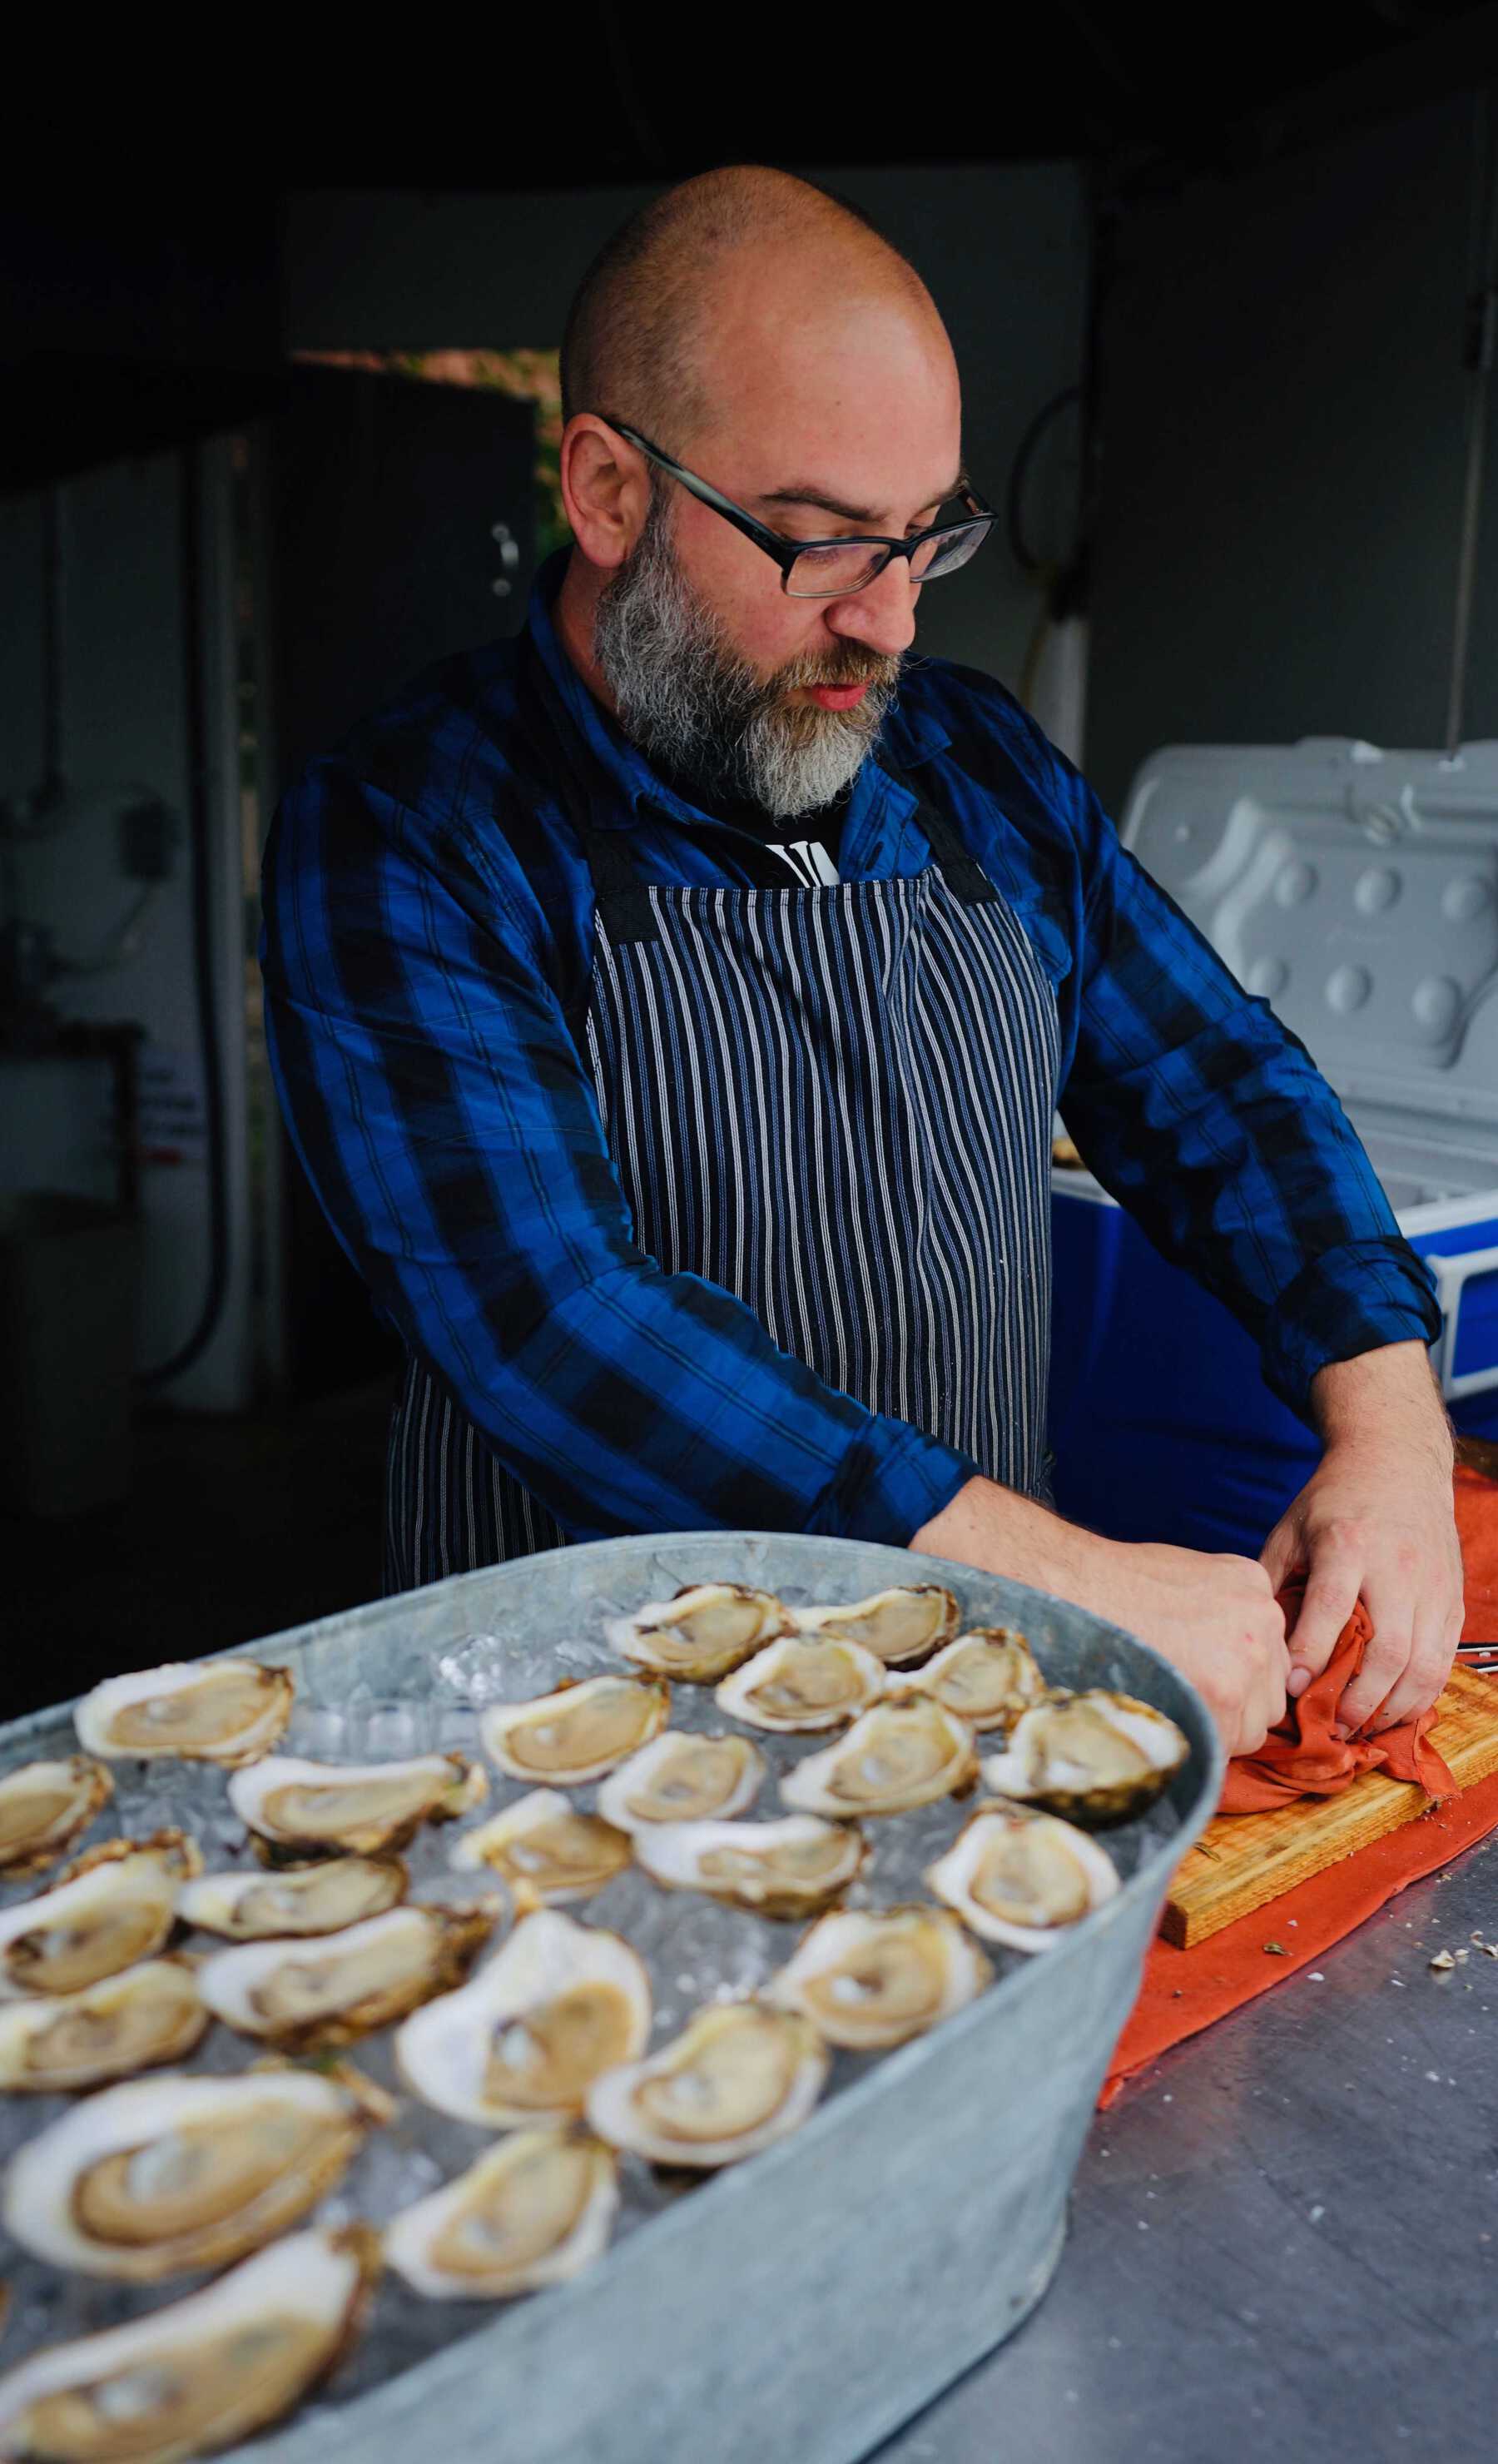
[[803, 849]]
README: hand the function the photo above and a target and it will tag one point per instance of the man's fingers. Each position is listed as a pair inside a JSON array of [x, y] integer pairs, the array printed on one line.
[[1279, 1552], [1437, 1634], [1330, 1597], [1391, 1611]]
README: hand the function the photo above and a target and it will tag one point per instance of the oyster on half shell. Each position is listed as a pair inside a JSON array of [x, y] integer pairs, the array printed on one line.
[[177, 2172], [791, 1868], [541, 1844], [1094, 1757], [43, 1807], [987, 1677], [199, 2374], [225, 1711], [323, 1897], [870, 1978], [362, 1809], [897, 1756], [683, 1777], [739, 2075], [701, 1634], [535, 2209], [803, 1682], [905, 1623], [114, 1905], [524, 2040], [577, 1733], [123, 2024], [1022, 1877], [306, 1996]]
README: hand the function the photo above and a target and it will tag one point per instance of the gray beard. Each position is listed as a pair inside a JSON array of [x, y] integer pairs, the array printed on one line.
[[691, 704]]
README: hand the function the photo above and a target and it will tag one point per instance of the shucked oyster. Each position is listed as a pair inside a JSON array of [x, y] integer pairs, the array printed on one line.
[[898, 1755], [177, 2172], [535, 2209], [333, 1808], [701, 1634], [870, 1978], [209, 1710], [1022, 1877], [683, 1777], [111, 1908], [791, 1868], [303, 1900], [525, 2040], [579, 1732], [43, 1807], [305, 1995], [123, 2024], [740, 2075], [987, 1677], [1095, 1757], [542, 1845], [898, 1625], [202, 2373], [803, 1682]]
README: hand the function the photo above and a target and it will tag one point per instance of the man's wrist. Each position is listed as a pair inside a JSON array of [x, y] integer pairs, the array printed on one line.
[[1386, 1400]]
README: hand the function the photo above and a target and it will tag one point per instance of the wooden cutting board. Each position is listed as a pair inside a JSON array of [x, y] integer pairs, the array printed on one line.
[[1243, 1861]]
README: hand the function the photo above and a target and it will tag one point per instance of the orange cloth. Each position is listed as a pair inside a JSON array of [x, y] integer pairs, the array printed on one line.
[[1302, 1758]]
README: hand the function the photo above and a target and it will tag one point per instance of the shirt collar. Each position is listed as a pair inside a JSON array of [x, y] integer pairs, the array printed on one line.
[[910, 734]]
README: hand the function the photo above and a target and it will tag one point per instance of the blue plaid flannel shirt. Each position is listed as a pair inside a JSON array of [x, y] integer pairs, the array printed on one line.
[[426, 915]]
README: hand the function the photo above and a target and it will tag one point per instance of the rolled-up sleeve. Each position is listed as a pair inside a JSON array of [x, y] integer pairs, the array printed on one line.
[[437, 1104]]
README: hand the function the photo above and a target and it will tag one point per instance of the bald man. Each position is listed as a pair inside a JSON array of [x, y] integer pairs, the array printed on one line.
[[670, 1006]]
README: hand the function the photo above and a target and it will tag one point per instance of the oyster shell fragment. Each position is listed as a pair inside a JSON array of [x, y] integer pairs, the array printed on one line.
[[897, 1756], [579, 1732], [123, 2024], [525, 2040], [706, 1630], [360, 1809], [866, 1978], [794, 1867], [44, 1805], [227, 1711], [1094, 1757], [905, 1623], [176, 2172], [683, 1777], [738, 2077], [536, 2209], [199, 2374], [111, 1908], [803, 1682], [301, 1899], [1022, 1877], [542, 1845], [306, 1996], [987, 1677]]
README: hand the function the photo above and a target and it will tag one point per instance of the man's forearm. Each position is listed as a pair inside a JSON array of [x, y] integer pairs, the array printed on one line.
[[1384, 1400]]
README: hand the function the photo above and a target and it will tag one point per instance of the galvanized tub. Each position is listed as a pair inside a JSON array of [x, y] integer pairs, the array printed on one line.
[[806, 2302]]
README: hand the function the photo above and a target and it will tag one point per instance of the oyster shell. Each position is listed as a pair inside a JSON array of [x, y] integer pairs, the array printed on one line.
[[544, 1846], [1094, 1757], [524, 2040], [202, 2373], [178, 2172], [791, 1868], [1022, 1877], [577, 1733], [866, 1978], [683, 1777], [225, 1711], [43, 1807], [740, 2075], [898, 1755], [701, 1634], [802, 1681], [536, 2209], [987, 1677], [108, 1909], [324, 1897], [364, 1808], [307, 1996], [905, 1623], [126, 2023]]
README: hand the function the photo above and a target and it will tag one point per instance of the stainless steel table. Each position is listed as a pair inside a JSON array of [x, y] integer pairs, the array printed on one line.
[[1284, 2240]]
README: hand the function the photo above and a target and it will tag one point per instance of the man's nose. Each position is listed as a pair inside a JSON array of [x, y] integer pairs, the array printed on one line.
[[882, 614]]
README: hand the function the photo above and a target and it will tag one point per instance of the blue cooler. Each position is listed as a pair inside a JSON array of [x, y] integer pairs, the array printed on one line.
[[1358, 891]]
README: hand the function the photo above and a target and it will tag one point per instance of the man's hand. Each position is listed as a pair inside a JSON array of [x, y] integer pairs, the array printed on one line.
[[1375, 1522]]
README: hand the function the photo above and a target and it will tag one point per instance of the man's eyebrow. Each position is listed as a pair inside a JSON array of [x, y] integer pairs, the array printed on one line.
[[804, 493]]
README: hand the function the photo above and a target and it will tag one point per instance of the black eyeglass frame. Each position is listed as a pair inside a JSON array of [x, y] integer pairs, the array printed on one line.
[[785, 552]]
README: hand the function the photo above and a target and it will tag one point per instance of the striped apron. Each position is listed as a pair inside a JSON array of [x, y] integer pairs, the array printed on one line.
[[835, 1103]]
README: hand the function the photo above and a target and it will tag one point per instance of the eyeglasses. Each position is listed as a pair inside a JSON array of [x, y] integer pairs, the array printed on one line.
[[830, 568]]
